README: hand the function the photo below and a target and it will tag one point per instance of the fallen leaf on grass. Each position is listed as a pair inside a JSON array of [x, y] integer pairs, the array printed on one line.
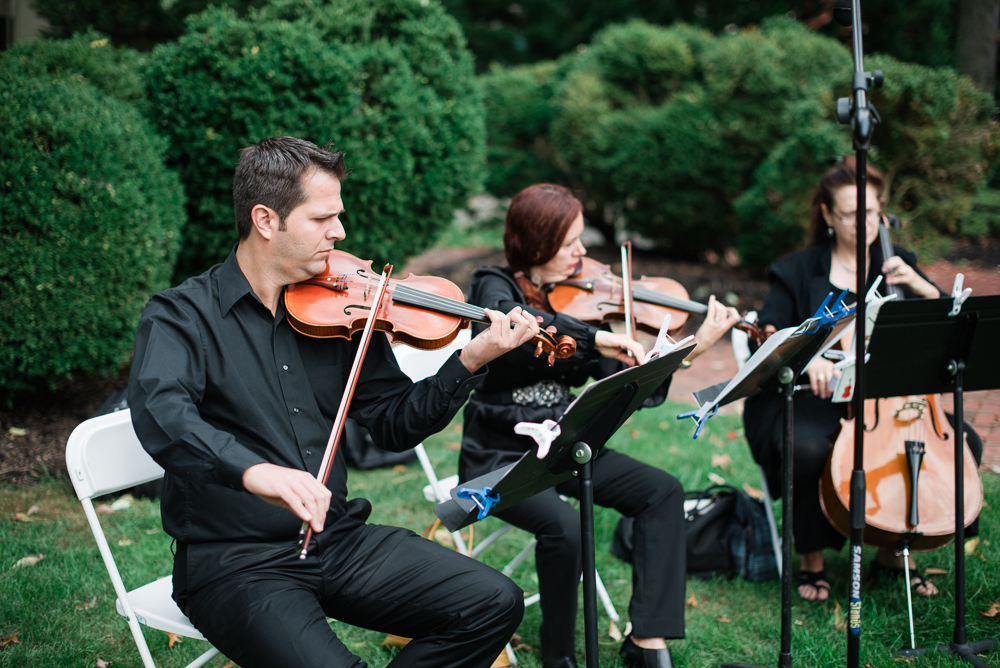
[[715, 440], [692, 601], [122, 503], [22, 517], [935, 571], [971, 546], [664, 425], [29, 561], [88, 606], [405, 478], [717, 479], [517, 644], [753, 492], [993, 611], [150, 532], [102, 663], [674, 450], [839, 618], [799, 622], [33, 510], [10, 640], [173, 639], [394, 641], [398, 468], [17, 431], [453, 446], [724, 620], [732, 435], [104, 510], [634, 433], [231, 664], [721, 460]]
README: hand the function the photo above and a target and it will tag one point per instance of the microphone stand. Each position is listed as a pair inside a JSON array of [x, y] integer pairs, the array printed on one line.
[[862, 116]]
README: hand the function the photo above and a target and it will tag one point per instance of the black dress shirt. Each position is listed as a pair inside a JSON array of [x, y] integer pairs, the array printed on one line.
[[218, 385]]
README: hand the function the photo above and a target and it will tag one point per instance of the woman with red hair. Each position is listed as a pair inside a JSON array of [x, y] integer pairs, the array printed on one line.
[[542, 245]]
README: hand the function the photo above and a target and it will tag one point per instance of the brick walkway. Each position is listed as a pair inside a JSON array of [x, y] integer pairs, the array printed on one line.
[[982, 409]]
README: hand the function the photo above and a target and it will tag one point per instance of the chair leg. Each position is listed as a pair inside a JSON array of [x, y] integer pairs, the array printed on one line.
[[769, 511], [203, 659]]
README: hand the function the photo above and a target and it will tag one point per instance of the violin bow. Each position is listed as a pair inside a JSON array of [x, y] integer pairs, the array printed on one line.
[[630, 323], [306, 532]]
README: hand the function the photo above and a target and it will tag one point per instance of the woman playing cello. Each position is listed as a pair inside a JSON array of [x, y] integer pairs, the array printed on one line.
[[799, 284], [542, 245]]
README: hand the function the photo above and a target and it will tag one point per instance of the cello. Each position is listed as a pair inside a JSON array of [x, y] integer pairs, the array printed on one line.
[[909, 469]]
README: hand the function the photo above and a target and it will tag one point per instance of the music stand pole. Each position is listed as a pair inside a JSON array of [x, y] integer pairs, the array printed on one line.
[[787, 379], [861, 114], [583, 455]]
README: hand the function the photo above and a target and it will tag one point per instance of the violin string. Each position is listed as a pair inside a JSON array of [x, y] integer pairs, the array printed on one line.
[[414, 297]]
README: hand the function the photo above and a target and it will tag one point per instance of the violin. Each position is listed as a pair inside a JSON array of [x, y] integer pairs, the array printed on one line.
[[909, 464], [596, 295], [425, 312]]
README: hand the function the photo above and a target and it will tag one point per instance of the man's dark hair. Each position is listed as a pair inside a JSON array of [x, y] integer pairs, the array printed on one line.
[[270, 173]]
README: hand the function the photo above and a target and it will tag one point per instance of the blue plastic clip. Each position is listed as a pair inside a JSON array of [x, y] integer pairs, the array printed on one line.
[[701, 422], [485, 498]]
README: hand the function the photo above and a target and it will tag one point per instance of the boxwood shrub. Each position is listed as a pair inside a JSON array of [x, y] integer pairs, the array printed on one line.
[[705, 142], [90, 224], [390, 82]]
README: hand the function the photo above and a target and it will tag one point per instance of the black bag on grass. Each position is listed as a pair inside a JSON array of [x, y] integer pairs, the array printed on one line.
[[726, 533]]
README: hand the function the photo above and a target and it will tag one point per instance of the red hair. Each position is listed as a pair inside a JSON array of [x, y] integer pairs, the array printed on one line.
[[537, 222]]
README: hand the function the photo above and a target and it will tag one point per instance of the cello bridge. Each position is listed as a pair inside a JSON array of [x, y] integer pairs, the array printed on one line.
[[911, 410]]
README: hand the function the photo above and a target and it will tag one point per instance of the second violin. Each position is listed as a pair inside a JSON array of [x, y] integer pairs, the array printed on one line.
[[596, 295]]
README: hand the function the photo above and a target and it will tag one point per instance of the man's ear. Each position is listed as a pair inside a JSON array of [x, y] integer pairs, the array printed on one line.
[[265, 221]]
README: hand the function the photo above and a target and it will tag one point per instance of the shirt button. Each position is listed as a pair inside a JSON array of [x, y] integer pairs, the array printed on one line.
[[295, 410], [309, 453], [458, 381], [285, 367]]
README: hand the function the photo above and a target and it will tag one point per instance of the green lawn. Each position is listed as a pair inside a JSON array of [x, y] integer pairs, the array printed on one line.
[[45, 606]]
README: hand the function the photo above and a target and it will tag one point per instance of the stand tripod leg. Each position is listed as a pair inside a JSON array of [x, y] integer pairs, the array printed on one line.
[[909, 593]]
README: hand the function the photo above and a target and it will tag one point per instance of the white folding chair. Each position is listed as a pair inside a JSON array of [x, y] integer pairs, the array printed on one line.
[[103, 455], [741, 351], [419, 364]]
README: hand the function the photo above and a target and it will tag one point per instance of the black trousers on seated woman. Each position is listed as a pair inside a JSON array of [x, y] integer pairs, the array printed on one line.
[[656, 500], [815, 420]]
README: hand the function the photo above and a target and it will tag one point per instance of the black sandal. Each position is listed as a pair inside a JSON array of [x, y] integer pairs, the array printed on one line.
[[880, 570], [817, 580]]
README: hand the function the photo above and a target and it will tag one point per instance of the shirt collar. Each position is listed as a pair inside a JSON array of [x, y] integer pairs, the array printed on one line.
[[233, 285]]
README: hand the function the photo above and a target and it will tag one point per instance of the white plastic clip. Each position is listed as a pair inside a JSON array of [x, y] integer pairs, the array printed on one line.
[[664, 344], [958, 295], [543, 433]]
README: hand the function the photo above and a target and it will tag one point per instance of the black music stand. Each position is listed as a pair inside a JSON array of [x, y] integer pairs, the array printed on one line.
[[918, 348], [586, 426], [777, 366]]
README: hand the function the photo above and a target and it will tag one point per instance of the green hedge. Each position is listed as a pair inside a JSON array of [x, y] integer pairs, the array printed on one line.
[[87, 56], [701, 142], [527, 31], [89, 223], [390, 82]]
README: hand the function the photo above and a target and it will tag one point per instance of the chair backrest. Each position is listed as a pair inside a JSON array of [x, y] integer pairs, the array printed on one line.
[[419, 364], [104, 455]]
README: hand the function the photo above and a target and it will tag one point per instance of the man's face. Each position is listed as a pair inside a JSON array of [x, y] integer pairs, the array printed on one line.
[[312, 228]]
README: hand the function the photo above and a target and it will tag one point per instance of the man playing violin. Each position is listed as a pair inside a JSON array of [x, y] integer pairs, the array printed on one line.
[[236, 407]]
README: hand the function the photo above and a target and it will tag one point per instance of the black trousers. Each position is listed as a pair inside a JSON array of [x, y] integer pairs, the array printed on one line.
[[273, 614], [656, 500]]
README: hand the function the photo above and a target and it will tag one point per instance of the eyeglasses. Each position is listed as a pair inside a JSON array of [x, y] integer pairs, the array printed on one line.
[[851, 216]]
